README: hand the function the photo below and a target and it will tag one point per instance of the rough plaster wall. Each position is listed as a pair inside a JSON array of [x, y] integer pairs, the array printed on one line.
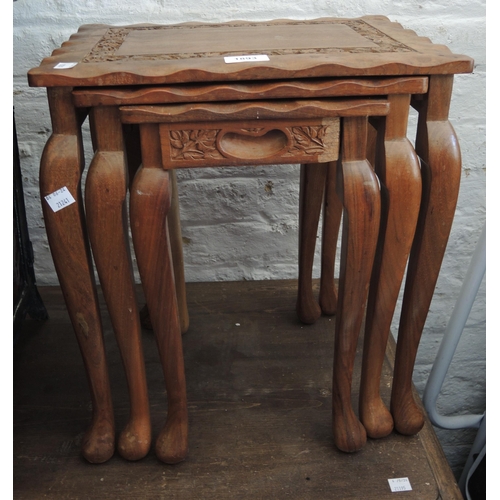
[[242, 223]]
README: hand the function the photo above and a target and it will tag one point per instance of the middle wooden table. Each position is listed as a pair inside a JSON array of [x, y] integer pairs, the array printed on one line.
[[295, 76]]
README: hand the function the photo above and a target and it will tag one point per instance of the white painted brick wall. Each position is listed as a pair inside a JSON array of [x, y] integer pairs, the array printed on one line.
[[242, 223]]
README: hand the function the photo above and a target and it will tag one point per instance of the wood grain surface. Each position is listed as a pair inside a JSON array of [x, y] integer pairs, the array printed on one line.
[[194, 52]]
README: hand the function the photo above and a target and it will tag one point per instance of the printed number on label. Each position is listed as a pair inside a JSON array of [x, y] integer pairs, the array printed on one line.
[[60, 199], [399, 484], [246, 58]]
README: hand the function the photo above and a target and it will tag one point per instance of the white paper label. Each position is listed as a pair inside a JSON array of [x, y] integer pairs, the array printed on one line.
[[65, 65], [243, 58], [60, 199], [399, 484]]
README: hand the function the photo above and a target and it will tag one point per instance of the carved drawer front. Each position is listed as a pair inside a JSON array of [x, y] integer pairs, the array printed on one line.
[[248, 133], [244, 143]]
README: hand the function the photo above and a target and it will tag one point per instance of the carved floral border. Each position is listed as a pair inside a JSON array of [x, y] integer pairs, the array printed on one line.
[[104, 50]]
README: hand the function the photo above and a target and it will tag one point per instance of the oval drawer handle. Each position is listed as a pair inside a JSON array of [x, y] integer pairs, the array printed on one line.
[[250, 146]]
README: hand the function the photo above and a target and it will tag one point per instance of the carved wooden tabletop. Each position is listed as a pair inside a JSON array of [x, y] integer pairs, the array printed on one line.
[[101, 55]]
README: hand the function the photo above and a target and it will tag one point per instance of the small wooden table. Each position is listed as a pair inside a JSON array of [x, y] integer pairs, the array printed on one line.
[[153, 75]]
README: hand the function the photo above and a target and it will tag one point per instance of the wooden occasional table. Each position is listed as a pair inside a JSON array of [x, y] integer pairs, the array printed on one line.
[[290, 71]]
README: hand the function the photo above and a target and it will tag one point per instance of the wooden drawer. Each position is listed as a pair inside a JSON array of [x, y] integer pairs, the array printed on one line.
[[246, 133], [241, 143]]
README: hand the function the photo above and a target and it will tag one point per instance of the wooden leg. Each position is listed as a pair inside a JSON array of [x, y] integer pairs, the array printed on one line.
[[61, 166], [359, 190], [134, 160], [332, 215], [174, 229], [399, 172], [105, 195], [150, 203], [132, 146], [438, 149], [312, 186]]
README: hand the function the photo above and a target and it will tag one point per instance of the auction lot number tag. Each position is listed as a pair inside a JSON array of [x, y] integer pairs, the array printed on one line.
[[60, 199], [246, 58], [399, 484]]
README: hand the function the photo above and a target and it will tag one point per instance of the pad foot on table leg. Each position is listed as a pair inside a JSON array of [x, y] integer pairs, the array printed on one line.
[[98, 444], [349, 435], [377, 419], [408, 417], [134, 442], [172, 442], [308, 312]]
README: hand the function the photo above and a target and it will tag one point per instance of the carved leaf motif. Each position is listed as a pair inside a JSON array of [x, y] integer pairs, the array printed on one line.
[[194, 144], [308, 140], [176, 139]]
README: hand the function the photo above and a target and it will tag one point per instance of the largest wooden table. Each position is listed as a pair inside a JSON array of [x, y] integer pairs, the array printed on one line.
[[121, 74]]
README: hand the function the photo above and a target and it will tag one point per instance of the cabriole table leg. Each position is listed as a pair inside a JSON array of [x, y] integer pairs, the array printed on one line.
[[175, 234], [398, 169], [439, 151], [316, 179], [312, 187], [61, 166], [134, 160], [149, 206], [105, 197], [359, 190], [318, 192], [332, 216]]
